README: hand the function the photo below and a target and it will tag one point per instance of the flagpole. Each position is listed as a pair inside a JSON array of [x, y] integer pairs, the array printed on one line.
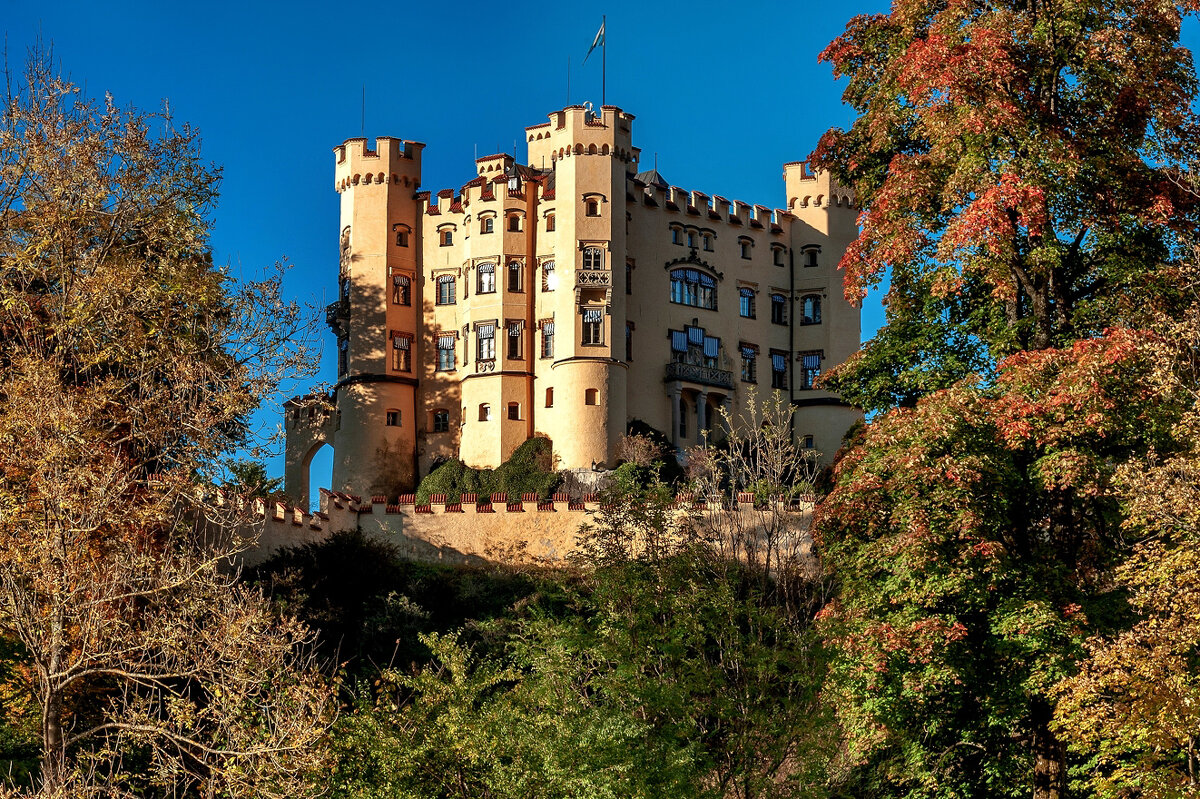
[[603, 61]]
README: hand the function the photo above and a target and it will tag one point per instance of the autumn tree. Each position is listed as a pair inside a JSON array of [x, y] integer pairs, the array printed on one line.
[[1018, 165], [130, 367]]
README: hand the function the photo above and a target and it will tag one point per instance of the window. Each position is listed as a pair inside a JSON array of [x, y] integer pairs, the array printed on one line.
[[485, 345], [691, 239], [445, 352], [401, 290], [810, 309], [487, 224], [777, 255], [485, 412], [629, 277], [447, 237], [808, 442], [486, 283], [749, 364], [810, 256], [778, 370], [707, 240], [778, 309], [514, 223], [810, 369], [744, 246], [592, 207], [515, 349], [343, 351], [514, 276], [591, 397], [676, 236], [402, 237], [694, 346], [445, 290], [693, 287], [514, 411], [629, 341], [549, 279], [593, 258], [593, 326], [402, 352], [549, 223], [746, 302], [441, 421], [392, 418], [548, 339], [550, 397]]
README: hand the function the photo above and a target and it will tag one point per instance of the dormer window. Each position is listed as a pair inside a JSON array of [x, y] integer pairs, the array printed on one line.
[[514, 184]]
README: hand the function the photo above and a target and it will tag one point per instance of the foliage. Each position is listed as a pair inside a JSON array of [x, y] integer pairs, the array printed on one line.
[[528, 470], [970, 536], [1133, 710], [369, 605], [130, 367], [1018, 167]]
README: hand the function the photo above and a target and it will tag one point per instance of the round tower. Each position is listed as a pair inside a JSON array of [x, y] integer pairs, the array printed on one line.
[[377, 317]]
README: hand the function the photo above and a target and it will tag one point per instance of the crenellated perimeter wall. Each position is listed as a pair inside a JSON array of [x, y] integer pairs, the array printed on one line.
[[476, 530]]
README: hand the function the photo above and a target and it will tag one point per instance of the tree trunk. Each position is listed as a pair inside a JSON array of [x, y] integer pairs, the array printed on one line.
[[1049, 764]]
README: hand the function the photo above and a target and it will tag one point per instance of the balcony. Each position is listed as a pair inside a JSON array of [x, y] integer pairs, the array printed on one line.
[[704, 375], [593, 278], [337, 314]]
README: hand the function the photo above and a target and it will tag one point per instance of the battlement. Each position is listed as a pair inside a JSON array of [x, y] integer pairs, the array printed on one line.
[[576, 130], [806, 188], [393, 161]]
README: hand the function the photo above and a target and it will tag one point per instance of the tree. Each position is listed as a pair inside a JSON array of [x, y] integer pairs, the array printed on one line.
[[130, 367], [1019, 168], [971, 537], [1132, 711]]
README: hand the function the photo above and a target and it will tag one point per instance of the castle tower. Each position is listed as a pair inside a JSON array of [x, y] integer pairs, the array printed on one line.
[[591, 156], [828, 327], [377, 316]]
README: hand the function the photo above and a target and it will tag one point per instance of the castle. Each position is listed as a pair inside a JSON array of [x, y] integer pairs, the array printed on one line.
[[566, 297]]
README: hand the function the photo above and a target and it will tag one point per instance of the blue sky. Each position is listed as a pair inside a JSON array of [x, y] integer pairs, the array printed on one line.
[[723, 92]]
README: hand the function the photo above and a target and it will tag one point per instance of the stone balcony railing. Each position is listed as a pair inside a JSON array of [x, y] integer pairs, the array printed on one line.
[[337, 313], [704, 375], [593, 277]]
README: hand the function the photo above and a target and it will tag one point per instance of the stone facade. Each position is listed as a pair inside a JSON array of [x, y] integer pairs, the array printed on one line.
[[564, 298]]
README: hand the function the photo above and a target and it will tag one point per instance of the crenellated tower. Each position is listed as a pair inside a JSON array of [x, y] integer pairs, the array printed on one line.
[[377, 316]]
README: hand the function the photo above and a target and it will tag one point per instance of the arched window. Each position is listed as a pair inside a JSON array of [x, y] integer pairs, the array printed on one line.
[[746, 302], [550, 397], [744, 246], [592, 208], [778, 309], [514, 223], [445, 290], [487, 224], [691, 239], [676, 235], [549, 279], [810, 309], [447, 238], [402, 232], [549, 223], [693, 287], [593, 258], [591, 396], [514, 276], [401, 290], [485, 412], [487, 279]]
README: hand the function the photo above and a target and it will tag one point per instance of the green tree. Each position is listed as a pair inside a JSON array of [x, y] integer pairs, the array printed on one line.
[[970, 537], [130, 366]]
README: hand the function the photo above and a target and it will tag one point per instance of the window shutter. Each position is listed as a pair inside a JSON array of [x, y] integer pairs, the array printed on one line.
[[695, 335], [679, 341], [446, 341], [486, 331], [812, 360], [591, 315], [400, 280], [778, 362], [749, 353], [711, 345], [401, 342]]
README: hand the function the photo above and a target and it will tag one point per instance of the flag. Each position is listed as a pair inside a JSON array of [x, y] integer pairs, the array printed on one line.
[[597, 42]]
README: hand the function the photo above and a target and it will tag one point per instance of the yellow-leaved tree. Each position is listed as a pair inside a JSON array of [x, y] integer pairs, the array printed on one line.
[[129, 368]]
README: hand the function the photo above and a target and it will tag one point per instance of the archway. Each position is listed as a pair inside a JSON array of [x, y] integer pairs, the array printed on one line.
[[318, 474]]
